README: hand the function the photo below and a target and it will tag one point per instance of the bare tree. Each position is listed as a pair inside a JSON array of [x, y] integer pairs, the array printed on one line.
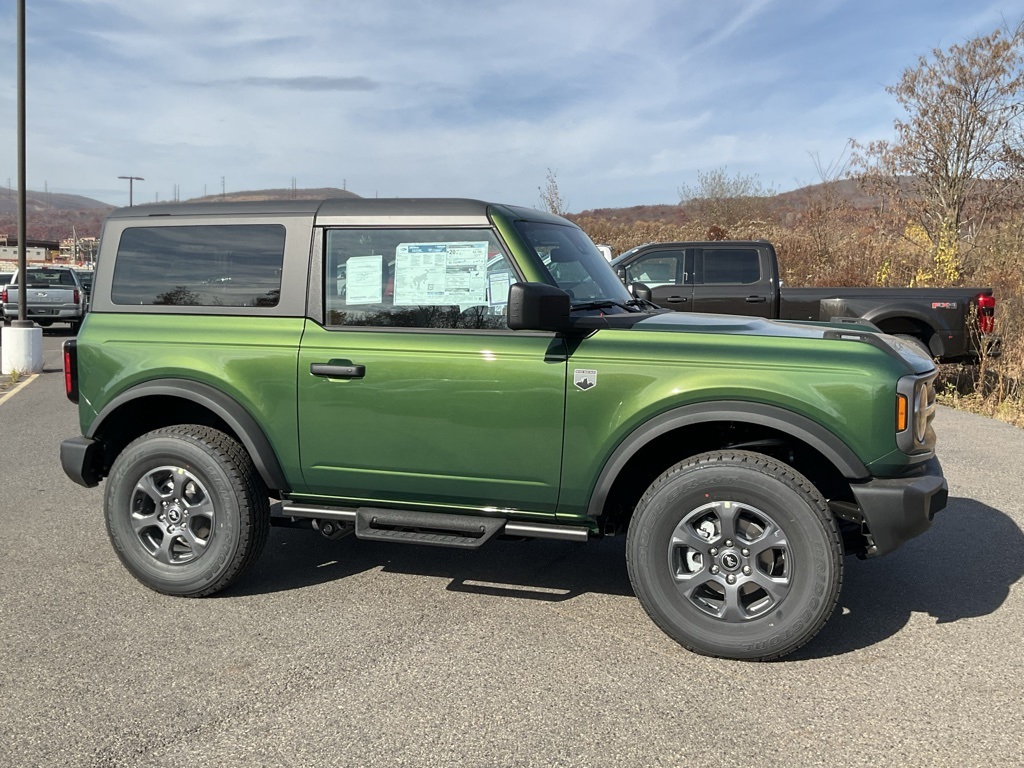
[[826, 207], [957, 151], [720, 201], [551, 199]]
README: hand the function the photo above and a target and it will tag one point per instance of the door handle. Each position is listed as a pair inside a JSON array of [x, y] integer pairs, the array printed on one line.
[[756, 299], [676, 299], [332, 371]]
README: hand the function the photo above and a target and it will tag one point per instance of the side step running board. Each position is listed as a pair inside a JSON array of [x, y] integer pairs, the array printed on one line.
[[441, 530], [436, 528]]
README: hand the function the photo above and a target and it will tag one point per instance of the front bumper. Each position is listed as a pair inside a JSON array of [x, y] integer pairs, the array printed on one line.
[[896, 510]]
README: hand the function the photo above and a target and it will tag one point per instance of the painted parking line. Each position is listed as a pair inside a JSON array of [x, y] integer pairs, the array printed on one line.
[[7, 395]]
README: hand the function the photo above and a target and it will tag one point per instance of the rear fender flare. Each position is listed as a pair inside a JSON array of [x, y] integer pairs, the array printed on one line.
[[225, 407]]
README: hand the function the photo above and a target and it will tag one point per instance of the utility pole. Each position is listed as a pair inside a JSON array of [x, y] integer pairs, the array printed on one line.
[[131, 187]]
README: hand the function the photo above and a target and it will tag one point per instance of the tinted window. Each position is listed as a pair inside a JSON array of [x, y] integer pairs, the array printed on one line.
[[229, 265], [416, 278], [732, 265]]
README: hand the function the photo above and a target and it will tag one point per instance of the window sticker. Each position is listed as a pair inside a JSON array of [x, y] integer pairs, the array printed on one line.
[[498, 284], [441, 273], [364, 279]]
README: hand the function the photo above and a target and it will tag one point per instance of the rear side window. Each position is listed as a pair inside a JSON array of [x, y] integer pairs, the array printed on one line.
[[731, 265], [224, 265]]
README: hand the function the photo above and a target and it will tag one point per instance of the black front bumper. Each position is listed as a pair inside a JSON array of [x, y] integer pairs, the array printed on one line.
[[896, 510], [82, 460]]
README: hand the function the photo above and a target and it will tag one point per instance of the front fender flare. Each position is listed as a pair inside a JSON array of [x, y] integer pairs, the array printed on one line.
[[787, 422]]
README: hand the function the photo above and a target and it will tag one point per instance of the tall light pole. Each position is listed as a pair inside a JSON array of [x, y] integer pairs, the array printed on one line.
[[21, 349], [131, 186]]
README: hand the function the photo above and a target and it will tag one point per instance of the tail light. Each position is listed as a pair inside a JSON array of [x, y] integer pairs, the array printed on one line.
[[77, 297], [986, 313], [71, 370], [3, 296]]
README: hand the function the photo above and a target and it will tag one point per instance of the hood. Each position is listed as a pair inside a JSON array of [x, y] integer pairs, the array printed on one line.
[[736, 325]]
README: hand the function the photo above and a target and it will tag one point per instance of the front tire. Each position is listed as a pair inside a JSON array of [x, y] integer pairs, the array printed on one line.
[[186, 510], [735, 555]]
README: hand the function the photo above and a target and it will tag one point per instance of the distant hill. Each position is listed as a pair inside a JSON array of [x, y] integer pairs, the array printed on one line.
[[47, 201], [52, 216], [276, 194]]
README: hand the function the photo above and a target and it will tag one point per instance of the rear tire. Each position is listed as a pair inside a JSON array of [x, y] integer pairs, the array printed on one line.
[[186, 510], [917, 343], [735, 555]]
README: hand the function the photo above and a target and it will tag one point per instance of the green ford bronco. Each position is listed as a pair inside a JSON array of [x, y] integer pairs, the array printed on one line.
[[448, 371]]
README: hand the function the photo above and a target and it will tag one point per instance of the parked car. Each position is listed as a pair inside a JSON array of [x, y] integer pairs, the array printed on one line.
[[54, 294], [5, 278], [482, 372], [742, 278]]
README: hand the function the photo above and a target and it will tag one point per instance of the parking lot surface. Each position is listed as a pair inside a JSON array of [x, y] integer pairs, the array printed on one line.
[[356, 653]]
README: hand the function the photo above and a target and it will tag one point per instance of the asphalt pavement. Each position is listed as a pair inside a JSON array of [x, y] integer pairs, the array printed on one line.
[[356, 653]]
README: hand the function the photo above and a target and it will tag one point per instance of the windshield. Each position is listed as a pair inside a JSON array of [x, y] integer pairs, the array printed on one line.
[[574, 264]]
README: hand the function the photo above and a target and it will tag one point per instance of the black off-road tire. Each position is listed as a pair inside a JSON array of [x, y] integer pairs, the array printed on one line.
[[917, 344], [735, 555], [186, 510]]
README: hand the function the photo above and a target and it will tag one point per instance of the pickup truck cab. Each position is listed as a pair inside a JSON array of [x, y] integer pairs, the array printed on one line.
[[54, 294], [742, 278], [444, 372]]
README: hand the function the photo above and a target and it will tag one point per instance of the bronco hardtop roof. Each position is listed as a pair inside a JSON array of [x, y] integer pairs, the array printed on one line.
[[396, 210]]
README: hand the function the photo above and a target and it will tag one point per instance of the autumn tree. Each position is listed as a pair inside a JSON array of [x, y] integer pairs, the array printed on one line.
[[551, 199], [956, 152], [720, 201]]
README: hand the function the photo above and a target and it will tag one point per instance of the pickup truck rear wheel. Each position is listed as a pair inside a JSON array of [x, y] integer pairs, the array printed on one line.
[[736, 555], [916, 343], [186, 510]]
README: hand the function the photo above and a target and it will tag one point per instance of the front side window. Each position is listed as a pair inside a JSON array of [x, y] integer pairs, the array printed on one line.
[[229, 265], [416, 278], [655, 269]]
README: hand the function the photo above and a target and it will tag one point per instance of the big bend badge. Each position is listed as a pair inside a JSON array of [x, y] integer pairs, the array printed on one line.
[[584, 379]]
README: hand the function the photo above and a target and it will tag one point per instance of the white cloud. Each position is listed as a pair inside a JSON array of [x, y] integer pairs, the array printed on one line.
[[457, 97]]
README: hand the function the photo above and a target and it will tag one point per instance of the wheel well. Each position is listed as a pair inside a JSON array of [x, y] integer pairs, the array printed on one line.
[[907, 326], [144, 414], [672, 447]]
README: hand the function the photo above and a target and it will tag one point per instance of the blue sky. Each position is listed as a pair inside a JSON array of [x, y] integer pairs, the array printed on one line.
[[625, 101]]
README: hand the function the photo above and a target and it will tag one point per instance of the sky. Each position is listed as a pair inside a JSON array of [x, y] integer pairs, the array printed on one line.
[[623, 101]]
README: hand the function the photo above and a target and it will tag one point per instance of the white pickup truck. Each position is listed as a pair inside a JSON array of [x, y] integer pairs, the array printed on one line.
[[54, 295]]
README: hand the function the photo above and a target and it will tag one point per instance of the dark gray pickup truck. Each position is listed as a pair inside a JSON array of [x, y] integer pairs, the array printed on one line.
[[735, 277]]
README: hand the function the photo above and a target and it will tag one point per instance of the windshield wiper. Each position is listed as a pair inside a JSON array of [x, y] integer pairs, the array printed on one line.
[[604, 304]]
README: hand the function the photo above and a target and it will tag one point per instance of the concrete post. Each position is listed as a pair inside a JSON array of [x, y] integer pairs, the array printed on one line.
[[22, 349]]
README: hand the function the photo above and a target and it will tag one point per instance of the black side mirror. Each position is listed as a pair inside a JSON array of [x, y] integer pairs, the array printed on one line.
[[640, 291], [538, 307]]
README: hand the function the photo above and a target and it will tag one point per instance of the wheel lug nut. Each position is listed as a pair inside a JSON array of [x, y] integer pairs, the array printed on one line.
[[728, 542], [714, 569], [746, 570], [746, 552], [714, 551], [731, 579]]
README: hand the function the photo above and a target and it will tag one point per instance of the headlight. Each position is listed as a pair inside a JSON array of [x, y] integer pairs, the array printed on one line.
[[915, 409]]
